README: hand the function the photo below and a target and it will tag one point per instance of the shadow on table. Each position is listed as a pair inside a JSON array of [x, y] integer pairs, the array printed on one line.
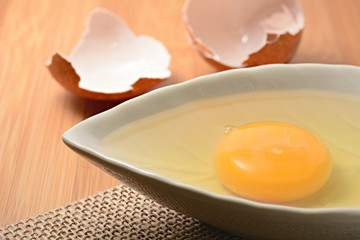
[[88, 107]]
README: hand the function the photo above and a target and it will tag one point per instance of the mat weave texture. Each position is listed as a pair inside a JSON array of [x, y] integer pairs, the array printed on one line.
[[117, 213]]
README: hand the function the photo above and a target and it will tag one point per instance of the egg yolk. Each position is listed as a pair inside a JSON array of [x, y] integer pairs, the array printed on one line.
[[272, 162]]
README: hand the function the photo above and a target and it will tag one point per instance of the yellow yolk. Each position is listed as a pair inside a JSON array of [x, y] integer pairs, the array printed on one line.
[[272, 162]]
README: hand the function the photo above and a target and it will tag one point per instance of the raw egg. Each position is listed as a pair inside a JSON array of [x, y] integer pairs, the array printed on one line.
[[272, 162], [180, 143]]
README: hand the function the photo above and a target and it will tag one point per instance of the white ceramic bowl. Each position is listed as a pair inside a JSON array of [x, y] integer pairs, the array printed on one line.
[[235, 215]]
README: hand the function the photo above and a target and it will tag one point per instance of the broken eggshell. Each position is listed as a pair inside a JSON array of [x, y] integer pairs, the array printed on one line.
[[244, 33], [110, 62]]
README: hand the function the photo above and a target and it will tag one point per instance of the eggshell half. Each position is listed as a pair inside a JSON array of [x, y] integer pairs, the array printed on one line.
[[244, 33], [110, 62]]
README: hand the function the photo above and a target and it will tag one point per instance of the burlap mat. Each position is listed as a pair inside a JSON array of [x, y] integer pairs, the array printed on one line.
[[117, 213]]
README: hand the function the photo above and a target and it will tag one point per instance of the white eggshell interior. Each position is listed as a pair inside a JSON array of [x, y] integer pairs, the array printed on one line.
[[110, 58], [234, 29]]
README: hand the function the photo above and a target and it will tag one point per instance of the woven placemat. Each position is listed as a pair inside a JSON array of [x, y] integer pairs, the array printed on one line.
[[117, 213]]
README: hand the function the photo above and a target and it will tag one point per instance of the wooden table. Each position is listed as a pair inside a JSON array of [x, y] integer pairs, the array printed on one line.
[[37, 171]]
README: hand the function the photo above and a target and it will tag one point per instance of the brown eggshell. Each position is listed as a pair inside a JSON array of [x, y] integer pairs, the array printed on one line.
[[110, 62], [279, 51], [244, 33], [65, 75]]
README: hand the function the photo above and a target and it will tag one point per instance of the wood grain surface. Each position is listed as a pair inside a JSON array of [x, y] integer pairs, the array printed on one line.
[[37, 171]]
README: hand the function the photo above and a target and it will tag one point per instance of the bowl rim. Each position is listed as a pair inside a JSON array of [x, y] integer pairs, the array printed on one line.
[[68, 138]]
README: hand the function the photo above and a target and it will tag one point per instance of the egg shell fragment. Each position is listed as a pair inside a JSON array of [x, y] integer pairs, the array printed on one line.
[[110, 62], [244, 33]]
